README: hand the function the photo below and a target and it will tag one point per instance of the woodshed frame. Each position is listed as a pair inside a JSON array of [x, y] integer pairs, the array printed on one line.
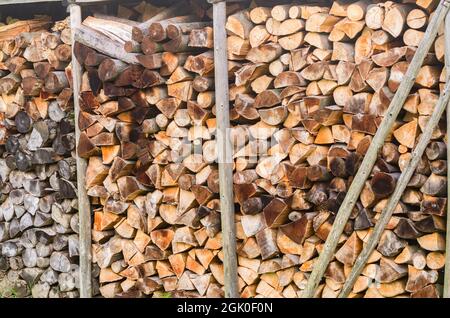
[[225, 156]]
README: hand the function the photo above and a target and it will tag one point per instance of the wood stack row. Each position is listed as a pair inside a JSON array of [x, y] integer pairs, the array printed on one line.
[[38, 205], [147, 131], [310, 87]]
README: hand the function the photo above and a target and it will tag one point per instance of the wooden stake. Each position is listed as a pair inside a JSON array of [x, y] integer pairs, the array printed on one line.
[[446, 292], [402, 182], [224, 149], [84, 208], [371, 154]]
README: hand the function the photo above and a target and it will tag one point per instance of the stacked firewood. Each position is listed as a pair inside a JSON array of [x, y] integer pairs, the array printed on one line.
[[147, 132], [38, 205], [311, 89]]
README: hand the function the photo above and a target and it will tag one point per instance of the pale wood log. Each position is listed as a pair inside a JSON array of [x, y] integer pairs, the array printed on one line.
[[103, 44], [416, 19], [259, 15], [280, 12], [395, 19], [239, 24], [375, 16], [357, 10], [339, 8], [140, 31]]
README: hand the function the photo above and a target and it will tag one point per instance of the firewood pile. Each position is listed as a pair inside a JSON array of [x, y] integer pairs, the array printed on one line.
[[312, 87], [38, 205], [147, 131], [309, 86]]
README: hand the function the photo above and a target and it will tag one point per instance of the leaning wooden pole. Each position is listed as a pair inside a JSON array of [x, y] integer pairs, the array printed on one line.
[[84, 208], [402, 183], [369, 159], [446, 293], [224, 151]]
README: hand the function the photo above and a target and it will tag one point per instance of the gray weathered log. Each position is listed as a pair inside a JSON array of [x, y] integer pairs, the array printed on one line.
[[60, 262]]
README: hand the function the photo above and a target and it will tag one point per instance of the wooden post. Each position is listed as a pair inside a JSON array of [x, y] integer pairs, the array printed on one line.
[[406, 175], [369, 159], [446, 293], [224, 150], [84, 208]]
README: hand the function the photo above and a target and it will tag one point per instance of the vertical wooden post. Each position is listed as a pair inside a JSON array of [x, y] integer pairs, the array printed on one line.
[[84, 208], [371, 155], [224, 150], [446, 293]]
